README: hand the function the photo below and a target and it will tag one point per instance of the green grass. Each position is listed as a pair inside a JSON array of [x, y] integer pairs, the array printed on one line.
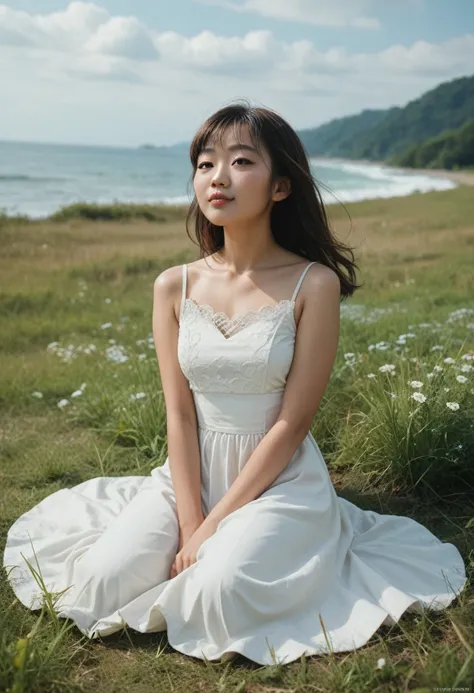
[[73, 287]]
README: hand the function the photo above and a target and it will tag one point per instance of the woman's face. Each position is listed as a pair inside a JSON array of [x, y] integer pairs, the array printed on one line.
[[237, 171]]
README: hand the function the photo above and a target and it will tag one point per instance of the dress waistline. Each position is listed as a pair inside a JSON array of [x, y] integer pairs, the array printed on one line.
[[237, 413]]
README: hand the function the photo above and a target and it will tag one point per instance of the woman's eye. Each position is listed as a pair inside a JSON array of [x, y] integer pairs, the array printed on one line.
[[246, 161], [203, 163]]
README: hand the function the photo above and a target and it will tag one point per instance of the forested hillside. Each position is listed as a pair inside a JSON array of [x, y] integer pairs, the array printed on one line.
[[451, 149], [382, 135]]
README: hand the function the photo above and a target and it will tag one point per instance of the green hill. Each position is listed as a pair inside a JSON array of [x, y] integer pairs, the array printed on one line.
[[451, 149], [377, 135]]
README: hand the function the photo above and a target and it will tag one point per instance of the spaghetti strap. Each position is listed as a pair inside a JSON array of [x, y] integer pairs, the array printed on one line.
[[183, 284], [295, 293]]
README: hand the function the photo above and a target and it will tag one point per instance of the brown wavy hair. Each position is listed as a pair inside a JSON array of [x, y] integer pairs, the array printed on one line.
[[299, 222]]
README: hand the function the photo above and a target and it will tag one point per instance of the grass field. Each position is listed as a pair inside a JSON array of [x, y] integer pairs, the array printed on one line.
[[80, 397]]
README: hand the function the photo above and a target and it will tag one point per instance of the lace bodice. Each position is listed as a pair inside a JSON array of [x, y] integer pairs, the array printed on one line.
[[250, 353]]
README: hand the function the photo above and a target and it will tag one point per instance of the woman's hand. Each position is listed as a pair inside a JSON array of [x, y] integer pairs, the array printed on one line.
[[189, 546]]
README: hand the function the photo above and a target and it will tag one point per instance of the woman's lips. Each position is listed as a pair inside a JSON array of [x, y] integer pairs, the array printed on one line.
[[219, 202]]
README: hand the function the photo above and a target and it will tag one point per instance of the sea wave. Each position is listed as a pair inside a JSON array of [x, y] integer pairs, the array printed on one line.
[[15, 177]]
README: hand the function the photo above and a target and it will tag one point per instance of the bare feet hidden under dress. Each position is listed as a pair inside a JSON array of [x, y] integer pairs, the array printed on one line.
[[274, 567]]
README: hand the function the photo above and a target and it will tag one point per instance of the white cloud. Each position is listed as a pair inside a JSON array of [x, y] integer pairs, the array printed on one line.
[[124, 36], [64, 30], [336, 13], [207, 51]]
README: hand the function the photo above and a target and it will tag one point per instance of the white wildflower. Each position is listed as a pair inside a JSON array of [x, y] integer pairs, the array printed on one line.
[[63, 403], [430, 375], [76, 393], [454, 406], [380, 663], [139, 395], [467, 357], [108, 300], [449, 360], [38, 395], [466, 368], [349, 355], [141, 357], [106, 325], [436, 347], [461, 379], [418, 397], [116, 354], [387, 367], [446, 389], [416, 384], [438, 369], [371, 375]]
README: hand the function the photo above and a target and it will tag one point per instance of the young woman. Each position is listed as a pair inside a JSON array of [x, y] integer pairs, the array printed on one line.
[[239, 543]]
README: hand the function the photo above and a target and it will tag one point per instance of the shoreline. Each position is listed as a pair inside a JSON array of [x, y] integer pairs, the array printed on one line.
[[458, 177]]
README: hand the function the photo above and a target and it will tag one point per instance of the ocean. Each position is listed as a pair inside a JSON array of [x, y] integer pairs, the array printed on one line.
[[38, 179]]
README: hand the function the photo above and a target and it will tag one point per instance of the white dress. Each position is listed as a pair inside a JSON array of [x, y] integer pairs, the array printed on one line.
[[274, 567]]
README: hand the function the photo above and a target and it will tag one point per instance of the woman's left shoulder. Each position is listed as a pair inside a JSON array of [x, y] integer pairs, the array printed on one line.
[[322, 277]]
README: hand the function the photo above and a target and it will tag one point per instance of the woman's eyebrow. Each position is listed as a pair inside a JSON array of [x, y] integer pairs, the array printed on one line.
[[232, 148]]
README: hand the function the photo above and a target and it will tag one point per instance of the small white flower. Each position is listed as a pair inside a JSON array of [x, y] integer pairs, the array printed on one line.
[[83, 386], [454, 406], [37, 394], [461, 379], [76, 393], [459, 446], [63, 403], [467, 357], [141, 357], [438, 369], [416, 384], [112, 341], [139, 395], [446, 389], [116, 354], [448, 360], [380, 663], [108, 300], [349, 355], [466, 368], [106, 325], [436, 347], [371, 375], [392, 395], [387, 367], [418, 397]]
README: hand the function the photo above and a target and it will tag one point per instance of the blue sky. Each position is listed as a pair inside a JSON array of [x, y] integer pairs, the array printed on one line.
[[150, 70]]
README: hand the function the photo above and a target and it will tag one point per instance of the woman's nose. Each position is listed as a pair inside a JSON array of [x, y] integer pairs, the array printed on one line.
[[220, 177]]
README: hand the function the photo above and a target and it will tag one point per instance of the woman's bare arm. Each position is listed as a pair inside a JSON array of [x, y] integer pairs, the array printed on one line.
[[182, 433]]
